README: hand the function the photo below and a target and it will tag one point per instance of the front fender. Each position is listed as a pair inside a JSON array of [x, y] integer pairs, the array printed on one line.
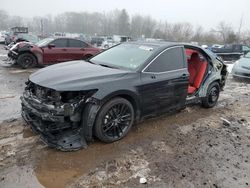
[[93, 106]]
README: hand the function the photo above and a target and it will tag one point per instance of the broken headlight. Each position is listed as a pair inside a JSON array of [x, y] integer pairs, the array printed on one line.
[[14, 47], [74, 99], [54, 96], [72, 96]]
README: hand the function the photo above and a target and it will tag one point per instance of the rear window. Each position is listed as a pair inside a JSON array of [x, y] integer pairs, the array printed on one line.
[[169, 60], [77, 44]]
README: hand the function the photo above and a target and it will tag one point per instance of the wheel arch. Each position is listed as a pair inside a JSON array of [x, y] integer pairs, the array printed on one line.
[[27, 52], [132, 97], [91, 111], [218, 81]]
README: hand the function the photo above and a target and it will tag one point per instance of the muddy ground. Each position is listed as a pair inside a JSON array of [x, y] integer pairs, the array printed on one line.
[[194, 148]]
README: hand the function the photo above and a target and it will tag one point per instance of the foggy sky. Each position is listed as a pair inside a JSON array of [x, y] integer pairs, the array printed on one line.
[[207, 13]]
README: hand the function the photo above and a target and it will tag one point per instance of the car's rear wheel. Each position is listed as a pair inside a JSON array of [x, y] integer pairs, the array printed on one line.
[[26, 60], [212, 96], [114, 120]]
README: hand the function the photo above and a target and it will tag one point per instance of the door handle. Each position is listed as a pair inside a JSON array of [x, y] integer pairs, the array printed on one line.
[[184, 76], [64, 49]]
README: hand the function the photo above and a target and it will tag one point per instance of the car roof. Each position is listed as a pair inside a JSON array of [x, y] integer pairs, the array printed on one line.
[[159, 44], [54, 37]]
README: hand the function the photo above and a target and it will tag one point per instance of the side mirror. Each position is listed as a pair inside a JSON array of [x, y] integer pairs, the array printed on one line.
[[51, 45]]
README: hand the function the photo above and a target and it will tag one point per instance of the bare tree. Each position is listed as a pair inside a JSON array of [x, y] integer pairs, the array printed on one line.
[[123, 23], [119, 22], [226, 32], [4, 20]]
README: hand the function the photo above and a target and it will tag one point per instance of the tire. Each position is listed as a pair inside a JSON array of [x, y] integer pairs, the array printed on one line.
[[114, 120], [212, 96], [26, 60]]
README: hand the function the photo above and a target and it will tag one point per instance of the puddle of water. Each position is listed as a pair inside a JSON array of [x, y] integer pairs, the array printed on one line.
[[59, 169], [28, 133], [21, 177]]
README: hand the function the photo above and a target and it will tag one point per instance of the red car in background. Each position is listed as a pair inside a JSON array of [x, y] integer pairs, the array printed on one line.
[[50, 51]]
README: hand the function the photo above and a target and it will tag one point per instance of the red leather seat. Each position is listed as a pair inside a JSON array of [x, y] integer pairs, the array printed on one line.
[[191, 89], [197, 70]]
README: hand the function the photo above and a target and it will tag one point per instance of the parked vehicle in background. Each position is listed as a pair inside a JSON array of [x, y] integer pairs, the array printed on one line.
[[50, 51], [8, 38], [232, 51], [217, 46], [96, 41], [69, 103], [110, 41], [121, 38], [17, 30], [25, 37], [59, 34], [14, 31], [241, 68], [2, 37]]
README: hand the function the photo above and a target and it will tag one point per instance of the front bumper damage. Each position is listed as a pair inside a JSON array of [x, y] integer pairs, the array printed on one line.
[[65, 130], [12, 54]]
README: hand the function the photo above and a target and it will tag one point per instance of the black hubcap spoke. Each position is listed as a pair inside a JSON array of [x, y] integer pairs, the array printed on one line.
[[27, 61], [213, 95], [108, 126], [117, 120]]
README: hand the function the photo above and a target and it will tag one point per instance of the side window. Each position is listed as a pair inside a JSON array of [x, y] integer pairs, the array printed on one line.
[[237, 48], [171, 59], [60, 43], [77, 44]]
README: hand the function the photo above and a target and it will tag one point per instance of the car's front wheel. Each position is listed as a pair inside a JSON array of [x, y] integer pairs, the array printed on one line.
[[26, 60], [114, 120], [212, 96]]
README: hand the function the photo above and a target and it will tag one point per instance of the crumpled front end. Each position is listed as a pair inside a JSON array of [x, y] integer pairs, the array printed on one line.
[[56, 116], [13, 52]]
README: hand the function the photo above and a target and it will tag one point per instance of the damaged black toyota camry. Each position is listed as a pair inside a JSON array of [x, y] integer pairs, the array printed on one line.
[[70, 103]]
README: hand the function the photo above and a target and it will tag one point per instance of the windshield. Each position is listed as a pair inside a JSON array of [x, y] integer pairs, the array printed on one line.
[[44, 42], [128, 56]]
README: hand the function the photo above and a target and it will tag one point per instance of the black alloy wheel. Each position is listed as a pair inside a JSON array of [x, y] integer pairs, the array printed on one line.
[[114, 120], [212, 95], [26, 60]]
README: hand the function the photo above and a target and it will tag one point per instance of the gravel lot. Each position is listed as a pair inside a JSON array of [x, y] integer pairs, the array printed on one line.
[[194, 148]]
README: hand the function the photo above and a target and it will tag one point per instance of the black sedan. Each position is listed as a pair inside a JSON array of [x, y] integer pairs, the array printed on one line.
[[69, 103]]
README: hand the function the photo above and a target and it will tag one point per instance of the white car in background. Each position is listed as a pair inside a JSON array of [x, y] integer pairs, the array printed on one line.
[[2, 37], [108, 43], [217, 46]]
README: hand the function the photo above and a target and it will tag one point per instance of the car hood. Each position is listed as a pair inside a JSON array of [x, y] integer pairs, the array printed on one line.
[[24, 43], [75, 75], [244, 62]]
